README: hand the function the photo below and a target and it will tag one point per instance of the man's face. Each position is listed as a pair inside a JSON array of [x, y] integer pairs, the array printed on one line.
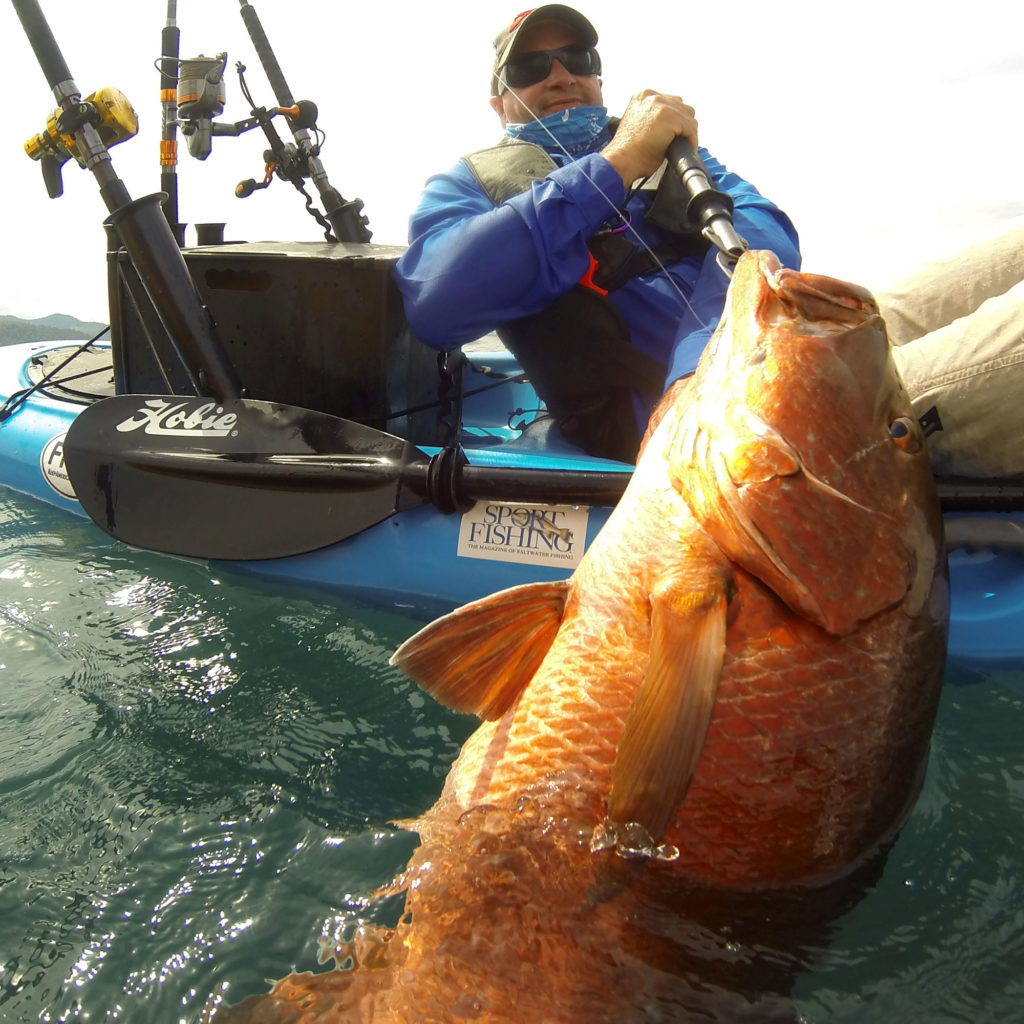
[[559, 90]]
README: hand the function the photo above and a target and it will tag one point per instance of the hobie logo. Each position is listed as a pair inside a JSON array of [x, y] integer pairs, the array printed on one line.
[[159, 416]]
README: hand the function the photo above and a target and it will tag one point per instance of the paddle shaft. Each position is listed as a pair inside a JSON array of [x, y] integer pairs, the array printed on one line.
[[419, 480], [459, 487]]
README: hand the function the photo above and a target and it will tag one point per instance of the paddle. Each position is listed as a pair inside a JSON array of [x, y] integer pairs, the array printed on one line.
[[243, 479]]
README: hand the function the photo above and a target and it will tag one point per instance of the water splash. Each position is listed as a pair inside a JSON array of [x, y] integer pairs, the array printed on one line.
[[630, 841]]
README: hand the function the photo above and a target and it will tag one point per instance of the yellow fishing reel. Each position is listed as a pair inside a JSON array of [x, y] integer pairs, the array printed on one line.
[[110, 113]]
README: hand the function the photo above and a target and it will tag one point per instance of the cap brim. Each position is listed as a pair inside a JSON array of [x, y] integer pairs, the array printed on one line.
[[549, 12]]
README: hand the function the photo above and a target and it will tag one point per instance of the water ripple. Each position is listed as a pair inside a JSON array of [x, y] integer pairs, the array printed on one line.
[[197, 776]]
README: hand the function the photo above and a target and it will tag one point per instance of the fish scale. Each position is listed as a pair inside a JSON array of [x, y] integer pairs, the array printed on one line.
[[805, 757]]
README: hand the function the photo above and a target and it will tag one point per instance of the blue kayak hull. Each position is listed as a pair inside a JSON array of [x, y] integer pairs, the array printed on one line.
[[412, 561]]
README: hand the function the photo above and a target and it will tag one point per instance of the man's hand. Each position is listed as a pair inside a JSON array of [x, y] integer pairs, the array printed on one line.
[[651, 121]]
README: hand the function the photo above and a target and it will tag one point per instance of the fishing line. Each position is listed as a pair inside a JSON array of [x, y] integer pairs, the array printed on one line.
[[627, 224]]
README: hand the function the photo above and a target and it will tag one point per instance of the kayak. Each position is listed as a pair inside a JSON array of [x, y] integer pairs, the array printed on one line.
[[425, 561], [264, 406]]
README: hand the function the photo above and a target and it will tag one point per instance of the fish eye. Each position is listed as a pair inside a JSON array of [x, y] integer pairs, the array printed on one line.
[[905, 434]]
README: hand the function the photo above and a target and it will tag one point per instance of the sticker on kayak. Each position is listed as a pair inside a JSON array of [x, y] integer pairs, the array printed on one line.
[[51, 462], [529, 534]]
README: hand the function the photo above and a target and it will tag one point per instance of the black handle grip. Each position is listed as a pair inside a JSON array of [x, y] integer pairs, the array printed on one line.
[[705, 201], [266, 54], [683, 157], [707, 207], [170, 40], [41, 39]]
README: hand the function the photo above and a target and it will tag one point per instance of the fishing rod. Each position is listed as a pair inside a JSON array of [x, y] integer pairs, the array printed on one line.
[[345, 216], [85, 129], [170, 41]]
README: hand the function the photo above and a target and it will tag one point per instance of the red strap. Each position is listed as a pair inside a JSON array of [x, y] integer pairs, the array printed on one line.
[[587, 280]]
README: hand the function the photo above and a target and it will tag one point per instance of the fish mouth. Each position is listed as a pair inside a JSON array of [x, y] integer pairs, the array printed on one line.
[[814, 298]]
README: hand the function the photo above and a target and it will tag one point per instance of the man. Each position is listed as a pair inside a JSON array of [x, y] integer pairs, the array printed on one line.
[[558, 239]]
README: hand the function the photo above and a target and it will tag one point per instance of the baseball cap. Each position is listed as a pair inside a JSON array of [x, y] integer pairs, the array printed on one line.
[[505, 40]]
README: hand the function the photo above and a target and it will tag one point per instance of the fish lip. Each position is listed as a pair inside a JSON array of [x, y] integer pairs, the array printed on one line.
[[770, 264], [847, 303]]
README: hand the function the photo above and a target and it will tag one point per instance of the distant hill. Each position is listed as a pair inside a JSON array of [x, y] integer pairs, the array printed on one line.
[[57, 327]]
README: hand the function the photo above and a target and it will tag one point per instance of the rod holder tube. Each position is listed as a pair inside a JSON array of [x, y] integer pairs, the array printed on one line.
[[154, 253]]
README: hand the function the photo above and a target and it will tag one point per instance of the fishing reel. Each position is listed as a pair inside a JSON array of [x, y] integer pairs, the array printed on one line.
[[283, 159], [107, 110], [200, 99]]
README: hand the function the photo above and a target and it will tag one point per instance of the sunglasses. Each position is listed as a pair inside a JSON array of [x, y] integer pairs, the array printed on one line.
[[531, 68]]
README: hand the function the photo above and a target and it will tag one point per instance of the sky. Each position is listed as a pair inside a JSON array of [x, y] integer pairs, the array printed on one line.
[[888, 130]]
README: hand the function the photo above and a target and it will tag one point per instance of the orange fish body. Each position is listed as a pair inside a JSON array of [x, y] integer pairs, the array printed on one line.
[[734, 691]]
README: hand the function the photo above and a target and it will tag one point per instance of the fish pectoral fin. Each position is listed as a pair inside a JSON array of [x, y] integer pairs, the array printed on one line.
[[480, 657], [665, 730]]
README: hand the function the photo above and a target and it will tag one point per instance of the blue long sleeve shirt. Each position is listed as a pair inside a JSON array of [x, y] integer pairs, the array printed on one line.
[[471, 266]]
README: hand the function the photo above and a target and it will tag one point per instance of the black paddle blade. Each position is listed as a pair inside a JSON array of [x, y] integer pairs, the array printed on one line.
[[238, 479]]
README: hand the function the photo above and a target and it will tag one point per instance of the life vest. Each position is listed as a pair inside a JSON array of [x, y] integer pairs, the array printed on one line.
[[577, 351]]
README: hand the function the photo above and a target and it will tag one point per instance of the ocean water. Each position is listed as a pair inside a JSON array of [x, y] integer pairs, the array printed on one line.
[[197, 776]]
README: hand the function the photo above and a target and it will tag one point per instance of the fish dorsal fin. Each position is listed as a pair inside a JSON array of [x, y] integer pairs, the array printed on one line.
[[665, 730], [480, 657]]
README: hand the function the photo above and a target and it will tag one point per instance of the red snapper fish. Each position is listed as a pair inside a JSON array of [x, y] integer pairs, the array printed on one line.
[[733, 694]]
